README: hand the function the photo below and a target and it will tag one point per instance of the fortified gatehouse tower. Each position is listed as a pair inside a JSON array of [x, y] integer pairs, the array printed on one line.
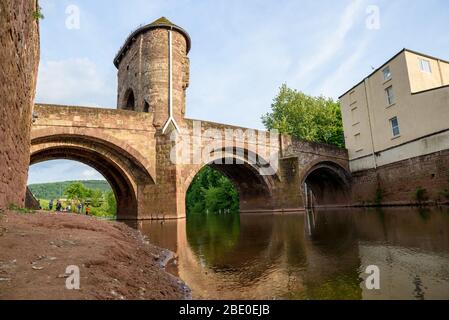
[[153, 76], [153, 72]]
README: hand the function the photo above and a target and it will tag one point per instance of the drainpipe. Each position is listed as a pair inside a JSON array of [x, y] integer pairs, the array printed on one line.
[[171, 118], [441, 73], [370, 124]]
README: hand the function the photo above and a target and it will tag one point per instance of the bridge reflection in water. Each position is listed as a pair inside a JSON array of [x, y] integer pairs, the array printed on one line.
[[315, 255]]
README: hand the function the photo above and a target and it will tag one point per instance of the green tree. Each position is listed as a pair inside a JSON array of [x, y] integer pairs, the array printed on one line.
[[211, 192], [111, 203], [305, 117], [96, 197], [76, 192], [55, 190]]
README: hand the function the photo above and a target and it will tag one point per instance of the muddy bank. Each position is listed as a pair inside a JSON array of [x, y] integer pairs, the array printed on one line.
[[115, 261]]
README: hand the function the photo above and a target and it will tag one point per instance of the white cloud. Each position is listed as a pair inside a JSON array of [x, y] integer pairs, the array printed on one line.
[[341, 80], [91, 174], [61, 170], [73, 82], [331, 43]]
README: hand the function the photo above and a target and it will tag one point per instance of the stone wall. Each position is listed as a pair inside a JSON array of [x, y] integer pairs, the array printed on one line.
[[19, 59], [119, 144], [30, 201], [400, 180]]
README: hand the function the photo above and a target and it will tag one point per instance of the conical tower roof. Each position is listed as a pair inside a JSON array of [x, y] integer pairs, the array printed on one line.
[[162, 22]]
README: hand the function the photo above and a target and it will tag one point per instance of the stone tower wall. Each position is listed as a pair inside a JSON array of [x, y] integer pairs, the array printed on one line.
[[144, 69], [19, 59]]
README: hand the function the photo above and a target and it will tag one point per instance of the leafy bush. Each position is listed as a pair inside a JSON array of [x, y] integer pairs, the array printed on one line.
[[38, 15], [421, 195], [445, 193], [380, 193]]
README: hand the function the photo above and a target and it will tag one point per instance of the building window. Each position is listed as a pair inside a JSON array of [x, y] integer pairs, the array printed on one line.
[[390, 95], [352, 99], [354, 112], [387, 73], [395, 127], [358, 142], [425, 66]]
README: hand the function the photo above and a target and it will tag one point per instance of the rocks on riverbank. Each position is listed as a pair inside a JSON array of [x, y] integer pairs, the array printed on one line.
[[115, 261]]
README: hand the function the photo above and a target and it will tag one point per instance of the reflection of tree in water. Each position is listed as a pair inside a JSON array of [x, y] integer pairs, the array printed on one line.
[[444, 212], [212, 236], [248, 247], [425, 214]]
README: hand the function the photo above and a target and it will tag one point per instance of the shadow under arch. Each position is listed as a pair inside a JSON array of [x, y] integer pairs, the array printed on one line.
[[326, 183], [120, 167], [243, 168]]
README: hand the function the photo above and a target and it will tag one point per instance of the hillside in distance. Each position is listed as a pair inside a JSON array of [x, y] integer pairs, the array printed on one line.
[[55, 190]]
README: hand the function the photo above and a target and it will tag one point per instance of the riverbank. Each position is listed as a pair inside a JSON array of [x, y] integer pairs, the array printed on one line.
[[115, 261]]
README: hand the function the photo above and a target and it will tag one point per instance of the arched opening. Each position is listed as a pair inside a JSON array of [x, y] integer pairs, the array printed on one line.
[[326, 184], [121, 185], [254, 189], [146, 107], [122, 166], [72, 187], [211, 192], [216, 197], [129, 101]]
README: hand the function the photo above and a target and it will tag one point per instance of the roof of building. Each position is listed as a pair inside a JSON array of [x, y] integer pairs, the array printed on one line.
[[163, 23], [391, 59]]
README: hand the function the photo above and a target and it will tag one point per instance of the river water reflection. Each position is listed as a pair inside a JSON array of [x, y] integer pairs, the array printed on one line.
[[320, 255]]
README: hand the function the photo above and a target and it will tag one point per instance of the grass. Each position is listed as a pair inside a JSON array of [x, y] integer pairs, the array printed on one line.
[[100, 212], [20, 210]]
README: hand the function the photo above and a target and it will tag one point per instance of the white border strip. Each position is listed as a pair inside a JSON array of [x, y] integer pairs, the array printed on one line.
[[171, 118]]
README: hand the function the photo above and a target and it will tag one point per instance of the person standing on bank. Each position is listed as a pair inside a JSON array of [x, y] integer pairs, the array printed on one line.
[[58, 206]]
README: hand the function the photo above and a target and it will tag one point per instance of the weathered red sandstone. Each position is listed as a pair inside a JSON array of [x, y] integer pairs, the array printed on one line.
[[115, 261], [19, 59]]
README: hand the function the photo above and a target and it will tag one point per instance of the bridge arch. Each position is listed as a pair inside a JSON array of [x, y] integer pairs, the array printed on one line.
[[123, 167], [255, 190], [325, 183]]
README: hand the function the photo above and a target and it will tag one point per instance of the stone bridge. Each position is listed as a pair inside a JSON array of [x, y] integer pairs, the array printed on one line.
[[150, 172], [150, 153]]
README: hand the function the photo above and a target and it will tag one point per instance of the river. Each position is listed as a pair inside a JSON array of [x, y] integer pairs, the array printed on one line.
[[315, 255]]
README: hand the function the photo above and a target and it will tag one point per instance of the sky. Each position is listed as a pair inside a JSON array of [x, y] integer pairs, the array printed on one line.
[[242, 52]]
